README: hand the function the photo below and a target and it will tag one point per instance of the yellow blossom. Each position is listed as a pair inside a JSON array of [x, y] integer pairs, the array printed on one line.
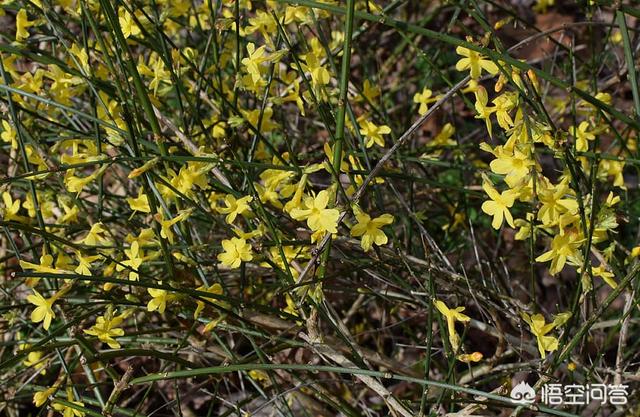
[[160, 299], [556, 201], [127, 24], [11, 209], [44, 307], [452, 315], [215, 289], [541, 6], [67, 411], [370, 229], [41, 397], [503, 104], [70, 214], [370, 91], [582, 136], [22, 24], [373, 133], [144, 168], [254, 61], [498, 205], [540, 330], [236, 250], [9, 134], [563, 248], [516, 166], [318, 216], [320, 76], [140, 203], [106, 328], [135, 258], [607, 276], [470, 357], [95, 236], [234, 207], [424, 98], [475, 62], [482, 110], [167, 225], [34, 359], [45, 266], [76, 184], [84, 263]]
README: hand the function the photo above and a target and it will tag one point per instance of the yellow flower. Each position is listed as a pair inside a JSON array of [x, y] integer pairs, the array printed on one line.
[[291, 254], [452, 315], [127, 24], [370, 91], [294, 96], [106, 329], [444, 137], [47, 207], [44, 307], [370, 231], [318, 216], [266, 124], [470, 357], [328, 163], [503, 104], [541, 6], [498, 205], [215, 289], [260, 376], [166, 225], [262, 22], [34, 359], [373, 133], [194, 174], [158, 72], [135, 258], [540, 330], [483, 112], [160, 299], [67, 411], [555, 202], [41, 397], [236, 250], [9, 134], [144, 168], [11, 209], [255, 59], [22, 24], [563, 248], [95, 235], [319, 74], [582, 136], [76, 184], [84, 263], [234, 207], [475, 62], [140, 203], [516, 166], [267, 195], [424, 98], [607, 276], [81, 55], [70, 214], [612, 168]]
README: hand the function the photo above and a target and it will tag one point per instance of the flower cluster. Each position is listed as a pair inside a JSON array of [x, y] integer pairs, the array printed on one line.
[[215, 174]]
